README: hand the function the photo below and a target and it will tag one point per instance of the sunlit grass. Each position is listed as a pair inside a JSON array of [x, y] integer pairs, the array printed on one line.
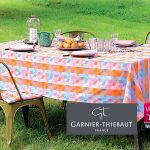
[[98, 16]]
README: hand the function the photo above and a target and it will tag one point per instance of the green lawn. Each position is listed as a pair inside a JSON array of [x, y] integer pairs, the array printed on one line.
[[35, 138], [129, 18]]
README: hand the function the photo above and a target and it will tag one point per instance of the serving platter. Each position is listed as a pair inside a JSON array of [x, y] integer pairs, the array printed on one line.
[[71, 49]]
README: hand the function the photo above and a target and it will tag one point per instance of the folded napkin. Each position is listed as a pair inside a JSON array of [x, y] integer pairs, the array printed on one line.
[[61, 38], [124, 42], [84, 53], [78, 38], [21, 47]]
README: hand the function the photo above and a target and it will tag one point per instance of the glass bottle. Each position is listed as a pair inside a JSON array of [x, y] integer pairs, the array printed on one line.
[[33, 27]]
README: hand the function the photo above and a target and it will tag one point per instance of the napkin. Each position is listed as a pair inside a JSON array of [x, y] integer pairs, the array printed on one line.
[[84, 53], [21, 47], [124, 42], [61, 38], [78, 38]]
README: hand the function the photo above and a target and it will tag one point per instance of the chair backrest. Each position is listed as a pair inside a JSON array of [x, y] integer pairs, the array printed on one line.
[[147, 39], [74, 34], [13, 80]]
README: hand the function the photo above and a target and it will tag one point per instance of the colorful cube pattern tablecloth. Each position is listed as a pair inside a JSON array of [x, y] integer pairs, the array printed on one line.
[[110, 78]]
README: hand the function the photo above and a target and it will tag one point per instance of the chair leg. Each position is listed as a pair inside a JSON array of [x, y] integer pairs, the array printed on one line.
[[25, 111], [9, 111], [43, 113]]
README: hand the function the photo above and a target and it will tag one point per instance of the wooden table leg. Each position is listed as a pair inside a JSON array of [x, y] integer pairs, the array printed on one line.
[[64, 103], [138, 139], [136, 142], [25, 111]]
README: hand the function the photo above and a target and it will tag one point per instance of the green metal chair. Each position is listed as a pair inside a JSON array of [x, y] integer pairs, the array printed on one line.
[[11, 101], [82, 34], [147, 39]]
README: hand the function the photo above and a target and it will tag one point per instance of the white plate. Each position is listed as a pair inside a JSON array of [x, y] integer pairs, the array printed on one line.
[[84, 53], [124, 42], [21, 47]]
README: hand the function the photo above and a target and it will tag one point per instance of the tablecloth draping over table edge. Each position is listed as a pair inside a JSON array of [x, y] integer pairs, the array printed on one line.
[[107, 79]]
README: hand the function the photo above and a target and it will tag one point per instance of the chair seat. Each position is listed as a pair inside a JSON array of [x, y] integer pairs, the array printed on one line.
[[13, 96]]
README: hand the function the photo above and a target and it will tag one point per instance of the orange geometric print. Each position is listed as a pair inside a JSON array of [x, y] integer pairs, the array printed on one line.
[[40, 84], [72, 69], [115, 92], [40, 66], [26, 82], [146, 77], [136, 67], [60, 68], [77, 89], [130, 78], [10, 61], [138, 93]]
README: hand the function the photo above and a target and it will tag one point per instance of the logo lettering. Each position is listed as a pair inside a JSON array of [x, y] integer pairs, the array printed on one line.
[[100, 111]]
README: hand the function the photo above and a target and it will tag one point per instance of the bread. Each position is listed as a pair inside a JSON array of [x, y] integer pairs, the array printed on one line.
[[71, 43], [74, 45], [67, 45], [81, 44], [61, 45]]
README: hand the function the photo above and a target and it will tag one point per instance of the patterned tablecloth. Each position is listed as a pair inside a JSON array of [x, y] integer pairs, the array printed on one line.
[[119, 77]]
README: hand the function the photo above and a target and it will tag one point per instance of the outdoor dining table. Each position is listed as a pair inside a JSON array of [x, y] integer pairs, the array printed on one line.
[[118, 77]]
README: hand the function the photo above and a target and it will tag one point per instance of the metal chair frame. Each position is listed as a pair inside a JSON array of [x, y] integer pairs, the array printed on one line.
[[10, 109], [74, 34], [146, 39]]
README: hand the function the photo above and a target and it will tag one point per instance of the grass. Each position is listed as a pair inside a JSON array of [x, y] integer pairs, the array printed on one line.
[[129, 18], [35, 138]]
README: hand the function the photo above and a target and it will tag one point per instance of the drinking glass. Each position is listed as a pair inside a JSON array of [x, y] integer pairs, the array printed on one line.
[[104, 41], [114, 37], [108, 45], [92, 43], [100, 44], [57, 40], [57, 32]]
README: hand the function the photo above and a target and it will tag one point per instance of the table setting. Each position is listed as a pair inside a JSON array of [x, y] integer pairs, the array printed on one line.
[[90, 48], [95, 70], [67, 47]]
